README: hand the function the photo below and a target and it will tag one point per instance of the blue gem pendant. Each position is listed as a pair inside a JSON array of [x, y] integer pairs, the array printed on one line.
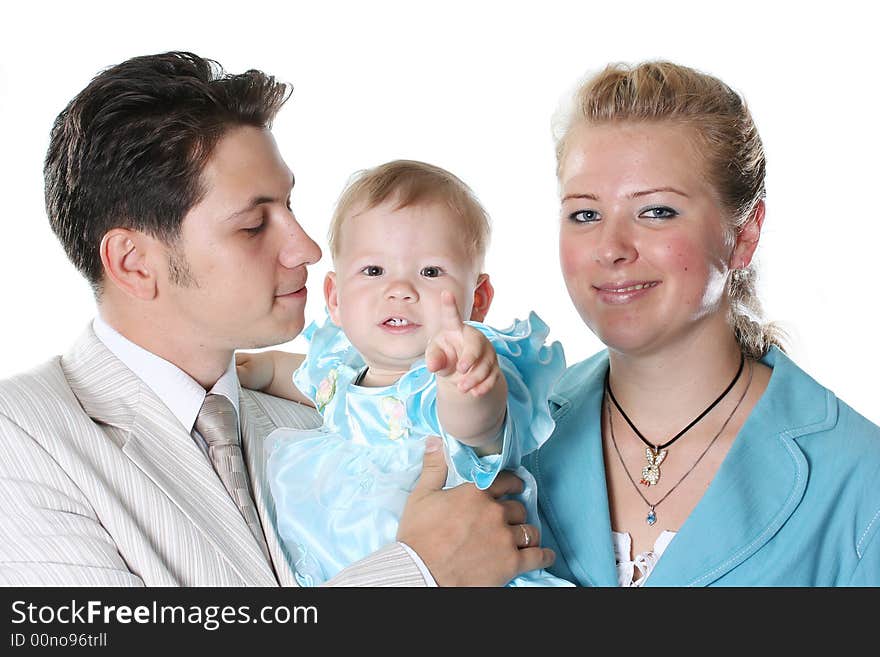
[[652, 517]]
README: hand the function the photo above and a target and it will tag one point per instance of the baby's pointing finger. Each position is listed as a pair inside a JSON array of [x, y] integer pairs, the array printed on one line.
[[450, 319]]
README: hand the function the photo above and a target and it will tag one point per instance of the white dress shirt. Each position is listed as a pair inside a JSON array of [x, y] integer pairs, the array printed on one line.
[[183, 395]]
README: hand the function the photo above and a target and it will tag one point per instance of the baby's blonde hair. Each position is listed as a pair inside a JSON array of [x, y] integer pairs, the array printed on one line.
[[728, 139], [408, 183]]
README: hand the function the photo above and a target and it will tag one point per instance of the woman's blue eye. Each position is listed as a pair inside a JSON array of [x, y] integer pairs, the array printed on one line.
[[584, 216], [373, 270], [431, 272], [659, 212]]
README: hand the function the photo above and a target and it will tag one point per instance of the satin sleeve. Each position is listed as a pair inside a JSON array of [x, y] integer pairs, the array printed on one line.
[[530, 366]]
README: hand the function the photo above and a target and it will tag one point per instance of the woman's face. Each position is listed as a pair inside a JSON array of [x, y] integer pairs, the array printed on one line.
[[642, 241]]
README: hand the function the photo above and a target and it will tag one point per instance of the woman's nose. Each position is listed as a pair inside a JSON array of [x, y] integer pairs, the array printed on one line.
[[614, 244]]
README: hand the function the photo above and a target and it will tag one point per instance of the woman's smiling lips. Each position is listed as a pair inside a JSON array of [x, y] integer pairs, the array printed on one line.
[[624, 291]]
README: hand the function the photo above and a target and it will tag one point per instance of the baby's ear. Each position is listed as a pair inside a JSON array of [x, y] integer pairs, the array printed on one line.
[[483, 295], [331, 297]]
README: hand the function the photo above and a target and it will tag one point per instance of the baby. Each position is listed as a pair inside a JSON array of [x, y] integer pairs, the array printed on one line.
[[396, 362]]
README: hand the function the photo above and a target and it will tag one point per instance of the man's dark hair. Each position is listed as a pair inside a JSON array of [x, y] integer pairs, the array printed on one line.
[[129, 149]]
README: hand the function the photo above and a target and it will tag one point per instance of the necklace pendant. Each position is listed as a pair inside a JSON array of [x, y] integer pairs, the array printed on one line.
[[651, 472], [652, 517]]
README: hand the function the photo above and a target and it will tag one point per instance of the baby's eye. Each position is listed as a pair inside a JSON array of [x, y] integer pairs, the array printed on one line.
[[372, 270], [658, 212], [431, 271], [584, 216]]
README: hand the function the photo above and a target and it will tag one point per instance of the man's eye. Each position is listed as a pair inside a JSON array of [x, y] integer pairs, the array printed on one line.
[[253, 230], [431, 272], [372, 270], [658, 212], [584, 216]]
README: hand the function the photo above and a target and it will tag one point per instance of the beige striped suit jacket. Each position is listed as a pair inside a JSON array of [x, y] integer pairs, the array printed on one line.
[[100, 485]]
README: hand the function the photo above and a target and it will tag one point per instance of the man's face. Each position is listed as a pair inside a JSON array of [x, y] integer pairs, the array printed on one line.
[[236, 277]]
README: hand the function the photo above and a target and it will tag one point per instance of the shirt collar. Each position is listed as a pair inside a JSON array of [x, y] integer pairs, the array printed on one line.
[[178, 390]]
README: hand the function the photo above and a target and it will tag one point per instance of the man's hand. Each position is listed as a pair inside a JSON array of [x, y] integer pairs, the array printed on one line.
[[461, 352], [465, 536], [255, 370]]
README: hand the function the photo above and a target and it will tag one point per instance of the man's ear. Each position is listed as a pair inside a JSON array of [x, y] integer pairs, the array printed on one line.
[[124, 254], [483, 295], [331, 298], [747, 239]]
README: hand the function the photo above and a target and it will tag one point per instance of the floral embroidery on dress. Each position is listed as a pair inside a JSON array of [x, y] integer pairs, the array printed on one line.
[[394, 411], [326, 390]]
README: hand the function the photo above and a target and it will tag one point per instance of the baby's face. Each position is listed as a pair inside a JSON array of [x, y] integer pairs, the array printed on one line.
[[391, 266]]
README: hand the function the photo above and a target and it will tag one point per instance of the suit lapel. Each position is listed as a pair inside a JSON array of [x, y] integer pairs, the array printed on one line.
[[163, 450], [255, 426], [758, 486]]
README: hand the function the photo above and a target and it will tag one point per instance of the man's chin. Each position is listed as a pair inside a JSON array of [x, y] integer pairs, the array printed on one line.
[[272, 338]]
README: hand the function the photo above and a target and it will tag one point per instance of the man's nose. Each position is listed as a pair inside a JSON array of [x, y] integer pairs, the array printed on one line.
[[298, 248]]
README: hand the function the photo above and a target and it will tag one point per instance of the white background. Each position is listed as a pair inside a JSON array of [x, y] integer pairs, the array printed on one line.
[[471, 86]]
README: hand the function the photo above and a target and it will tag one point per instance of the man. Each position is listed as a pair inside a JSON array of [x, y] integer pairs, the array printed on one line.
[[135, 458]]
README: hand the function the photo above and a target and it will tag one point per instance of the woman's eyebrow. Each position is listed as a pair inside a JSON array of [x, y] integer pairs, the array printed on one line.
[[591, 197], [654, 190]]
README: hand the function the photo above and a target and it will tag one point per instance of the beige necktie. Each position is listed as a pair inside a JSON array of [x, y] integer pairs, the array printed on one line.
[[218, 425]]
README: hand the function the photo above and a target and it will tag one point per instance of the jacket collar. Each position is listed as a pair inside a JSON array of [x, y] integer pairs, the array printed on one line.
[[156, 442], [756, 489], [570, 475]]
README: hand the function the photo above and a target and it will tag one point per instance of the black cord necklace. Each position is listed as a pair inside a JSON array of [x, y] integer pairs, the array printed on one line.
[[651, 518], [655, 454]]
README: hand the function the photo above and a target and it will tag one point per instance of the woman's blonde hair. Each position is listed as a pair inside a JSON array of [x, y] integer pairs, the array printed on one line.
[[408, 183], [727, 137]]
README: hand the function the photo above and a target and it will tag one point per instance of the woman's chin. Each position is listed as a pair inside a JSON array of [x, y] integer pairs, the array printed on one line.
[[628, 342]]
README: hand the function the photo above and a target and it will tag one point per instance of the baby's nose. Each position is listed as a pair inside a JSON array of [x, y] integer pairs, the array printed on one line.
[[401, 290]]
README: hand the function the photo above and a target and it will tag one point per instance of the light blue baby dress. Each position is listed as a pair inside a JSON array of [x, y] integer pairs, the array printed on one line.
[[339, 491]]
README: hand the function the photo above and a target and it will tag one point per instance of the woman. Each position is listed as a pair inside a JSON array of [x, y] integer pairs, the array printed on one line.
[[693, 451]]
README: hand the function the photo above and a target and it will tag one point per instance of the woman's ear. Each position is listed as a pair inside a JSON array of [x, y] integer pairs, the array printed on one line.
[[483, 295], [124, 254], [748, 238], [331, 297]]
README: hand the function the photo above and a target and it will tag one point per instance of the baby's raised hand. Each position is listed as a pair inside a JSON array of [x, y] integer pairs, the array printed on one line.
[[461, 353]]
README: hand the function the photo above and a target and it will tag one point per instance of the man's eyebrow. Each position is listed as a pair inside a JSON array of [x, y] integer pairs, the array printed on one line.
[[259, 200]]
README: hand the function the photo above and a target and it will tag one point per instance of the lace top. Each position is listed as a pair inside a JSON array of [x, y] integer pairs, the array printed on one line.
[[636, 571]]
